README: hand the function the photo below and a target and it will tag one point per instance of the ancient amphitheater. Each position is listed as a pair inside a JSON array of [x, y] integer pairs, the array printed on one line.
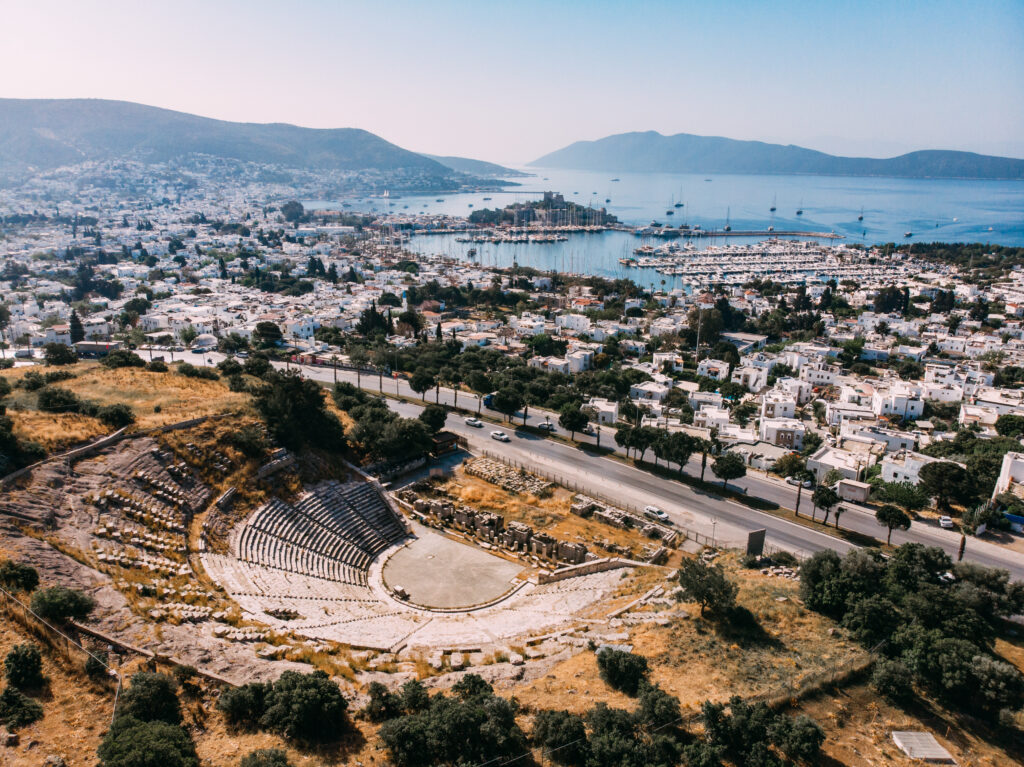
[[340, 564], [135, 523]]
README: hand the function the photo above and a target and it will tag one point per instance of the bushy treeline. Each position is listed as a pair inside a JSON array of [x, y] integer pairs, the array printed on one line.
[[304, 707], [933, 622], [488, 370], [472, 725], [379, 432]]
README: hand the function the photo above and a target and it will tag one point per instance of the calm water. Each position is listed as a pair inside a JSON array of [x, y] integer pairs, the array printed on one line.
[[946, 210]]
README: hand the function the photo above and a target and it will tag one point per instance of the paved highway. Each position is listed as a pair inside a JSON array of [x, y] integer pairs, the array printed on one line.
[[728, 522]]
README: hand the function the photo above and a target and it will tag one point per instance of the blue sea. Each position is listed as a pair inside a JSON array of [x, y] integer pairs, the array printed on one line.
[[931, 210]]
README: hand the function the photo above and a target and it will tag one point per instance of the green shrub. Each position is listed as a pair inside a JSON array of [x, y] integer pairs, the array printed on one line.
[[237, 384], [191, 371], [307, 707], [32, 381], [893, 680], [229, 366], [265, 757], [17, 710], [257, 365], [122, 358], [54, 399], [23, 666], [249, 439], [116, 416], [61, 604], [244, 706], [707, 585], [562, 735], [415, 697], [53, 376], [476, 727], [382, 705], [150, 698], [95, 666], [132, 743], [15, 576], [157, 366], [784, 559], [620, 670], [60, 354]]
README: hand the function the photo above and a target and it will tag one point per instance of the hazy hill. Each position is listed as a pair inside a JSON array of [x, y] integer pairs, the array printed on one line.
[[685, 153], [478, 168], [48, 133]]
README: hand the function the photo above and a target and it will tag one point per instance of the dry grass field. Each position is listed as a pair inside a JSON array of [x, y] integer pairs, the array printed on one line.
[[697, 659], [77, 711], [156, 398], [858, 726]]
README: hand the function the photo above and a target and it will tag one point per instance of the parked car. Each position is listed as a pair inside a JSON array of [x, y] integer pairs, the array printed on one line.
[[794, 482], [946, 522], [476, 423], [500, 436], [546, 426], [653, 512]]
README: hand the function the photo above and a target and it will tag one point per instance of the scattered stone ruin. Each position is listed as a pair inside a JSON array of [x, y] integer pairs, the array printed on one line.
[[490, 528], [505, 477]]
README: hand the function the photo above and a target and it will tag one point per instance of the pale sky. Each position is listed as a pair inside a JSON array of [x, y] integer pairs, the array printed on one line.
[[511, 81]]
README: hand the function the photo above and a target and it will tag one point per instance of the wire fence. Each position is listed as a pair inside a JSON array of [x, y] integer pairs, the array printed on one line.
[[62, 644]]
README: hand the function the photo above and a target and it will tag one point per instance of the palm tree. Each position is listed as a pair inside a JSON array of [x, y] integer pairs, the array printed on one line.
[[801, 476], [358, 357], [334, 364]]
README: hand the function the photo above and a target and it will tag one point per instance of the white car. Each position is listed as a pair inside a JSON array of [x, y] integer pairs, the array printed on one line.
[[476, 423], [655, 513], [546, 426], [500, 436], [946, 523], [794, 482]]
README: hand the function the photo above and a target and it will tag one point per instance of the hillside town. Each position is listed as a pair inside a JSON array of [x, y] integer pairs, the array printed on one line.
[[858, 376]]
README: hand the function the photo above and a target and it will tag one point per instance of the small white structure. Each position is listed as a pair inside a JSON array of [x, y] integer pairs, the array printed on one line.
[[921, 745], [606, 411]]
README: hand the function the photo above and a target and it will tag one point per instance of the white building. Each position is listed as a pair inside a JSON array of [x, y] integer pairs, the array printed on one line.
[[901, 400], [905, 466], [754, 378], [783, 432], [778, 404], [716, 369], [1011, 475], [606, 411]]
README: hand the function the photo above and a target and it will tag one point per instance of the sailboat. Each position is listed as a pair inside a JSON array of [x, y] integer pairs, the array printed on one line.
[[727, 227], [772, 208], [861, 216], [800, 210]]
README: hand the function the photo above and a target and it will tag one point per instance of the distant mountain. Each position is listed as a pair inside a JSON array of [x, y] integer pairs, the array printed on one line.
[[686, 153], [47, 133], [478, 168]]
